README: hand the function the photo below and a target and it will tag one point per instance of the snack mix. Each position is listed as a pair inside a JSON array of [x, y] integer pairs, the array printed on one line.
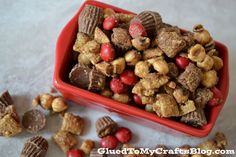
[[139, 59]]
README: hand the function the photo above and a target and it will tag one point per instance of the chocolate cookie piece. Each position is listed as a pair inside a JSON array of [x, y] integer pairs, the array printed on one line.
[[79, 76], [36, 146], [34, 121], [96, 81], [196, 118], [89, 18], [121, 39], [5, 100], [105, 126]]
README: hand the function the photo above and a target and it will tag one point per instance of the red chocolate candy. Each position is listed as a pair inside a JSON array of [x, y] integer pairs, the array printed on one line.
[[217, 97], [75, 153], [128, 77], [109, 23], [137, 29], [123, 135], [117, 86], [109, 142], [107, 52], [137, 99], [182, 62]]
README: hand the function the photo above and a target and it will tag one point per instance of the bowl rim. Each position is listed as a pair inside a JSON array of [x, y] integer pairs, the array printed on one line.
[[123, 108]]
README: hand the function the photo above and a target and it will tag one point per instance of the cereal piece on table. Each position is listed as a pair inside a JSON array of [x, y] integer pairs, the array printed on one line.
[[9, 126], [12, 111], [209, 145], [36, 146], [187, 107], [142, 69], [87, 146], [197, 53], [105, 126], [90, 47], [45, 100], [166, 106], [65, 140], [220, 140], [121, 39], [34, 120], [161, 66], [81, 39], [141, 43], [206, 64], [181, 94], [72, 123], [202, 96], [118, 65], [218, 63], [154, 81], [152, 53], [100, 36], [59, 104], [209, 79], [170, 42], [196, 118], [184, 148], [36, 101], [96, 81], [123, 98], [132, 57], [105, 68], [191, 77], [201, 35], [173, 70]]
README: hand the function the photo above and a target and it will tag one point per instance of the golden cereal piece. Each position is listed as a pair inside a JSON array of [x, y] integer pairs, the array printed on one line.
[[141, 69], [147, 99], [196, 53], [123, 98], [105, 68], [108, 12], [154, 81], [36, 101], [83, 59], [218, 63], [73, 124], [209, 78], [161, 66], [152, 53], [125, 18], [9, 126], [94, 57], [141, 43], [87, 146], [65, 140], [132, 57], [81, 39], [46, 100], [206, 64], [118, 65], [91, 47], [106, 92], [100, 36], [201, 35], [59, 104], [187, 107]]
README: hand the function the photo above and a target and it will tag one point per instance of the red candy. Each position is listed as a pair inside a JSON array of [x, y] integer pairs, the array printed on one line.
[[109, 23], [182, 62], [128, 77], [117, 86], [109, 142], [137, 29], [75, 153], [217, 97], [107, 52], [123, 135], [137, 100]]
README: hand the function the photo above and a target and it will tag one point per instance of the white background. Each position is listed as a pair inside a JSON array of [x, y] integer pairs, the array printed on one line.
[[28, 34]]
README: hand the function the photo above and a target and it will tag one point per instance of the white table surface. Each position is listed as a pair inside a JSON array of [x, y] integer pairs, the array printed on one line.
[[28, 34]]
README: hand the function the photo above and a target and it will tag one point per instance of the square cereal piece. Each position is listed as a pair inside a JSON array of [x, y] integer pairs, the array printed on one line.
[[65, 140], [187, 107], [73, 124], [9, 126]]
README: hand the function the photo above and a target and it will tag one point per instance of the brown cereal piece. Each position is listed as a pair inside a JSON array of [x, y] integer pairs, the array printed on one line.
[[187, 107], [196, 118], [94, 57], [9, 126], [105, 68], [152, 53], [206, 64], [147, 99], [91, 46], [45, 100], [154, 81], [209, 145], [197, 53], [149, 92], [189, 39], [12, 111], [170, 42], [138, 88], [121, 39], [161, 66], [191, 77], [202, 96], [79, 76], [181, 94], [141, 43], [84, 59], [209, 78], [87, 146], [118, 65], [132, 57], [166, 106], [106, 92], [81, 40], [173, 70], [218, 63], [34, 120], [142, 69], [59, 104], [201, 35], [105, 126], [100, 36], [90, 17], [72, 123], [65, 140], [220, 140], [123, 98], [36, 146]]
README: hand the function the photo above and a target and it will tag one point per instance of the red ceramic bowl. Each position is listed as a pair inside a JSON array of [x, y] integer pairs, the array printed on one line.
[[63, 66]]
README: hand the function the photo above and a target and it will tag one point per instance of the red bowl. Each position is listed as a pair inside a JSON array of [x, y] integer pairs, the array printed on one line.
[[63, 66]]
